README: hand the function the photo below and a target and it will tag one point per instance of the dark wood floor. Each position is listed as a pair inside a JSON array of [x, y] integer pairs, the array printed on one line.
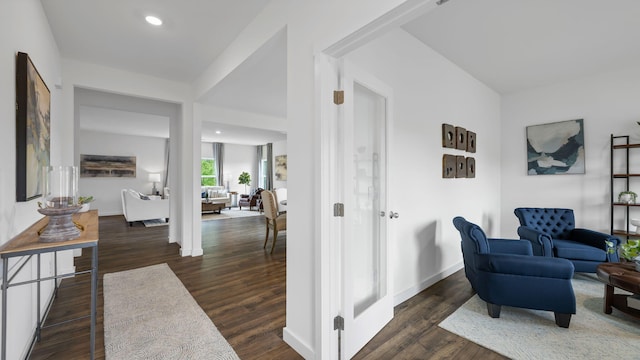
[[242, 288]]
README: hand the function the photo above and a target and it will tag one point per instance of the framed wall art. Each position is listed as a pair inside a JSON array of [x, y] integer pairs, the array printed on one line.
[[556, 148], [107, 166], [33, 113], [281, 167], [448, 136]]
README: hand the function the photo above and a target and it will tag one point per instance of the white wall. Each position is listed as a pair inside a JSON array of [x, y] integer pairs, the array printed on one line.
[[278, 148], [430, 90], [24, 28], [149, 153], [608, 103]]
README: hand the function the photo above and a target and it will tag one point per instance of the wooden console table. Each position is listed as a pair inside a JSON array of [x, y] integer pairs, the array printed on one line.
[[27, 244]]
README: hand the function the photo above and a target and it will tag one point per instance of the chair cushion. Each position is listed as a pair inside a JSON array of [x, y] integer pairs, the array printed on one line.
[[574, 250]]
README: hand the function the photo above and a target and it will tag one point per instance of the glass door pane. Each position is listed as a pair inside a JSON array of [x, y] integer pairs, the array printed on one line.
[[369, 196]]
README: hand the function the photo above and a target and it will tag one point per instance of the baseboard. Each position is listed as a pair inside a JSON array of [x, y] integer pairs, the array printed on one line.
[[414, 290], [298, 345], [191, 252]]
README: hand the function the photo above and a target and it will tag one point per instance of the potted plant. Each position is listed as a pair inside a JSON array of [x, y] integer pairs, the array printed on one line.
[[630, 251], [244, 179], [627, 197], [85, 201]]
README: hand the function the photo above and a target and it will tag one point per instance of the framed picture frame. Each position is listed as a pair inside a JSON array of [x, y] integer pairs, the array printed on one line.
[[281, 167], [107, 166], [33, 136], [556, 148]]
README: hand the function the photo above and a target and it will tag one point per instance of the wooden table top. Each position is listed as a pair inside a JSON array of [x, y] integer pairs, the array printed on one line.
[[28, 241], [621, 275]]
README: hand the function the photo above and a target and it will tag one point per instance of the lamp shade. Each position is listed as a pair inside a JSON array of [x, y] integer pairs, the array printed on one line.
[[154, 177]]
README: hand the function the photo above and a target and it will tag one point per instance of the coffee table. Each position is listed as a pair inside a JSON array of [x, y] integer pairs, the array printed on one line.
[[213, 206], [623, 276]]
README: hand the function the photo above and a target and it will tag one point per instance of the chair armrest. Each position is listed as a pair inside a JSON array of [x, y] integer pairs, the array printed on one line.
[[509, 246], [540, 242], [593, 238], [547, 267], [599, 240]]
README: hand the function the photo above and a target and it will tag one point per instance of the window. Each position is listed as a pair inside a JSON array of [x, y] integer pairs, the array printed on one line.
[[208, 172], [262, 168]]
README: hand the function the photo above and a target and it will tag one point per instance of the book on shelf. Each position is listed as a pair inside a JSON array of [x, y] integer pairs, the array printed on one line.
[[633, 301]]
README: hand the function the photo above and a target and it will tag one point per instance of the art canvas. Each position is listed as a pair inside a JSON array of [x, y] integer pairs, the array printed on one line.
[[107, 166], [281, 167], [556, 148], [33, 104]]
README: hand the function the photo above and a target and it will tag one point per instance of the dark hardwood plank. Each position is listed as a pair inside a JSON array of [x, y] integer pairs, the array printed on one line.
[[242, 288]]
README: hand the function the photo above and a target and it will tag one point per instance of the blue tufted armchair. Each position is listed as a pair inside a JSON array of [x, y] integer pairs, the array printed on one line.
[[552, 232], [505, 272]]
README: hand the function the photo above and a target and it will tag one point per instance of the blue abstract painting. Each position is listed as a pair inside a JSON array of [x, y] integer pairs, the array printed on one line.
[[556, 148]]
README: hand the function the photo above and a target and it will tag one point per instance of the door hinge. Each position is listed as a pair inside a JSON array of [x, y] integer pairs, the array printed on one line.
[[338, 323], [338, 97], [338, 210]]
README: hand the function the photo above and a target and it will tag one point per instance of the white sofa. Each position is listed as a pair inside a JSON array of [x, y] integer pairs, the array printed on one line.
[[135, 208], [215, 194]]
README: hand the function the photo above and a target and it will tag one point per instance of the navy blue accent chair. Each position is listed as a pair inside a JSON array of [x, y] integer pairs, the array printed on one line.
[[505, 272], [552, 233]]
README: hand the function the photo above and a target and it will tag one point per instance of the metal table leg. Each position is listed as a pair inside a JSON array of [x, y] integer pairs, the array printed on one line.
[[5, 271], [94, 298]]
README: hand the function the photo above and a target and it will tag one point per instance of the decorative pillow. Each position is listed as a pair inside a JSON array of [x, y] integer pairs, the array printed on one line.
[[204, 194]]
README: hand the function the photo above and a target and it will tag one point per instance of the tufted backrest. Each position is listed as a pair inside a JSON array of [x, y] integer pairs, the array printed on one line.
[[555, 222]]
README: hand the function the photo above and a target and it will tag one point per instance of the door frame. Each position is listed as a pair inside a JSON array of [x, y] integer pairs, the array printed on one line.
[[328, 293], [382, 311]]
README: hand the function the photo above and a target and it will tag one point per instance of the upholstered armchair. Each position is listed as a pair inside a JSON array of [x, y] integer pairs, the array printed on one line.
[[552, 233], [251, 200], [505, 272]]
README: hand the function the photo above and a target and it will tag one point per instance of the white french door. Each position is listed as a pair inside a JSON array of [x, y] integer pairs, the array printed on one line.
[[367, 301]]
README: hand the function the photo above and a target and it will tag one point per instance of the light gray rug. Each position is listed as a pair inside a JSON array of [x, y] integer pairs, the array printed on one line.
[[231, 214], [155, 222], [149, 314], [533, 334]]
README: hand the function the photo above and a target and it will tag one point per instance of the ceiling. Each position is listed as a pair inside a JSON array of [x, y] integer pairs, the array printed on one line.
[[515, 45], [508, 45]]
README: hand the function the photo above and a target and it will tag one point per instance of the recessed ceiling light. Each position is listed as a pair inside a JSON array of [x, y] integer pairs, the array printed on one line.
[[218, 132], [153, 20]]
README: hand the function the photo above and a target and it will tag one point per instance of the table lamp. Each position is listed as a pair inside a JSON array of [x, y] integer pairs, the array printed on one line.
[[154, 178]]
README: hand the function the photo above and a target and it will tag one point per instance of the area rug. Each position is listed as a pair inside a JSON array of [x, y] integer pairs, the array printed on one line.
[[230, 214], [532, 334], [155, 222], [149, 314]]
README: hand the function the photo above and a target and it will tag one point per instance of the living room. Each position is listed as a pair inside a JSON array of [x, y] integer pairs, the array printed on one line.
[[428, 245]]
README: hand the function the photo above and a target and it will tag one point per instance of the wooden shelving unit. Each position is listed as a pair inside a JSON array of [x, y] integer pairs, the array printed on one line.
[[620, 146]]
